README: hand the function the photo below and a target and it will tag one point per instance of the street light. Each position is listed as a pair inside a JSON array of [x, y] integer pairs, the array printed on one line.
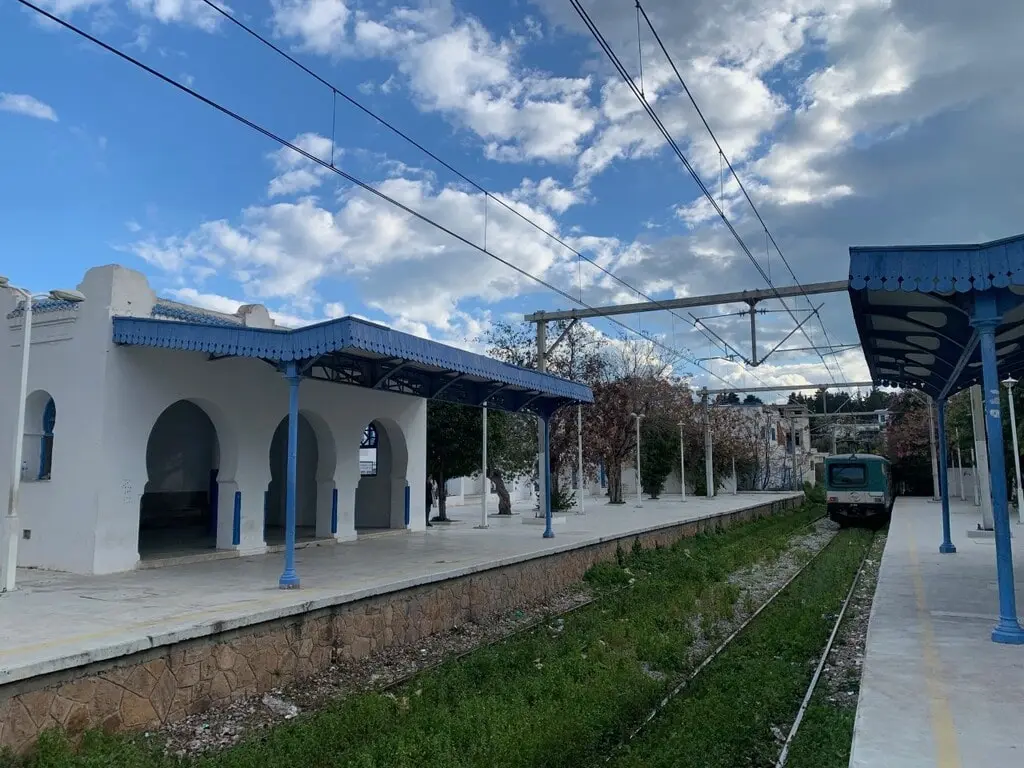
[[639, 498], [10, 529], [1008, 382], [682, 461]]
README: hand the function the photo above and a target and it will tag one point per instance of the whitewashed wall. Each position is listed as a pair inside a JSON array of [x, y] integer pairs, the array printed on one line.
[[85, 518]]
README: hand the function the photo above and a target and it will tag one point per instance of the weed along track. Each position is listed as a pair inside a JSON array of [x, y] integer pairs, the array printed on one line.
[[751, 693], [560, 692], [688, 679]]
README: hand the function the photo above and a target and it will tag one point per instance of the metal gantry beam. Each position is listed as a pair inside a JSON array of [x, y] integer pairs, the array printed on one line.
[[792, 387], [736, 297], [750, 298]]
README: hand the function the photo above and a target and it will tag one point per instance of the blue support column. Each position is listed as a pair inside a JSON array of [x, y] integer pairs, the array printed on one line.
[[1008, 630], [546, 423], [289, 578], [946, 547]]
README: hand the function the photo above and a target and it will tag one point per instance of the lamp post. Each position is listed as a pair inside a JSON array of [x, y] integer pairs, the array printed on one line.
[[580, 481], [485, 484], [1008, 382], [10, 528], [682, 461], [639, 497], [960, 467]]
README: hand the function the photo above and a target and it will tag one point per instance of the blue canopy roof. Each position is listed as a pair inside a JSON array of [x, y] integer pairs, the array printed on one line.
[[360, 353], [912, 307]]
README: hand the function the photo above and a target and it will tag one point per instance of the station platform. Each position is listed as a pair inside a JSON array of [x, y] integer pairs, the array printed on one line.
[[936, 692], [58, 621]]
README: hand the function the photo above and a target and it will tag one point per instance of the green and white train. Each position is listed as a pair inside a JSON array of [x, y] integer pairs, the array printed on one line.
[[858, 489]]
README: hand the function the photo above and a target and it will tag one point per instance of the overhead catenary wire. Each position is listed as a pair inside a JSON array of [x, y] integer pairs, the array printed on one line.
[[739, 182], [336, 91], [652, 113], [330, 166]]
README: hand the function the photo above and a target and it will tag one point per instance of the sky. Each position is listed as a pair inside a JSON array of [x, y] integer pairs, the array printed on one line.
[[849, 122]]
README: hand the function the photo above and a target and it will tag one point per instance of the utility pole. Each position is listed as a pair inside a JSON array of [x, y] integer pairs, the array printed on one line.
[[709, 448]]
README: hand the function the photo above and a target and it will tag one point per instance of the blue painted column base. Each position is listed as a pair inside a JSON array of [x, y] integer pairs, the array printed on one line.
[[288, 582], [947, 549], [1008, 634]]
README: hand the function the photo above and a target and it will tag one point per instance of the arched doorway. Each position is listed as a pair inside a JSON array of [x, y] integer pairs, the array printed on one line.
[[381, 495], [307, 462], [37, 441], [178, 511]]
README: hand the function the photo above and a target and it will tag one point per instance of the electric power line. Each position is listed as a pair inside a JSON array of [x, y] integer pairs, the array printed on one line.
[[743, 189], [353, 179], [616, 62], [336, 91]]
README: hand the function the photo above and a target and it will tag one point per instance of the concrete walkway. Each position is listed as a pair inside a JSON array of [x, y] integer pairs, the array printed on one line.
[[55, 621], [936, 691]]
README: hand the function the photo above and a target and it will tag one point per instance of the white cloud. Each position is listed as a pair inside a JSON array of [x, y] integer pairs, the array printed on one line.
[[398, 264], [67, 7], [464, 72], [298, 174], [838, 114], [549, 194], [228, 306], [369, 87], [193, 12], [456, 68], [23, 104], [334, 309], [321, 25]]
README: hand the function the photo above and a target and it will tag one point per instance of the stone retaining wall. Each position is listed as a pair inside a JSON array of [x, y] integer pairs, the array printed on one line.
[[148, 689]]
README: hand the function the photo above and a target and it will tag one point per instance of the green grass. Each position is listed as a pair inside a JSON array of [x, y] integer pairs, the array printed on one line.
[[826, 734], [542, 698], [726, 719]]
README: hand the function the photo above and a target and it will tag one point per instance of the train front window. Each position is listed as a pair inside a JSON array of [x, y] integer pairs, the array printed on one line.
[[847, 475]]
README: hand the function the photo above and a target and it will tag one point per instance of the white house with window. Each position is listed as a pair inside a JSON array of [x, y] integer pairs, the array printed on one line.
[[156, 430]]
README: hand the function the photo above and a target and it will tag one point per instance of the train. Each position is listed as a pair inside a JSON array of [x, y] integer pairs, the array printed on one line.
[[859, 489]]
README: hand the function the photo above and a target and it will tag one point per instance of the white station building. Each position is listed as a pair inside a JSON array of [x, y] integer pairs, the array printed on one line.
[[154, 429]]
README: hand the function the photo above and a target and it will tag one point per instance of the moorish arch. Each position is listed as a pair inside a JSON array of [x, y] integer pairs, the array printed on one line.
[[381, 495], [184, 458], [315, 498]]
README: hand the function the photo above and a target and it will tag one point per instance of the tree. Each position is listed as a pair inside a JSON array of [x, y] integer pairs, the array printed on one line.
[[907, 443], [752, 400], [511, 452], [659, 452], [454, 441], [578, 357], [633, 379]]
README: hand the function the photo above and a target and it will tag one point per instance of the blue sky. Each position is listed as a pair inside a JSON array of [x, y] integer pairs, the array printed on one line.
[[821, 106]]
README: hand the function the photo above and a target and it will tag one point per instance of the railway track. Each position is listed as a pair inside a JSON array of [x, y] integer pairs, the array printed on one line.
[[540, 621], [784, 754], [690, 677]]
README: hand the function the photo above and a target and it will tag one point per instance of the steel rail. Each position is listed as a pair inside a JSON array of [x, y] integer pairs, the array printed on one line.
[[784, 754]]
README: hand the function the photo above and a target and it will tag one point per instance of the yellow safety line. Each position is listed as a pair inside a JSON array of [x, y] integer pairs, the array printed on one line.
[[946, 747]]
